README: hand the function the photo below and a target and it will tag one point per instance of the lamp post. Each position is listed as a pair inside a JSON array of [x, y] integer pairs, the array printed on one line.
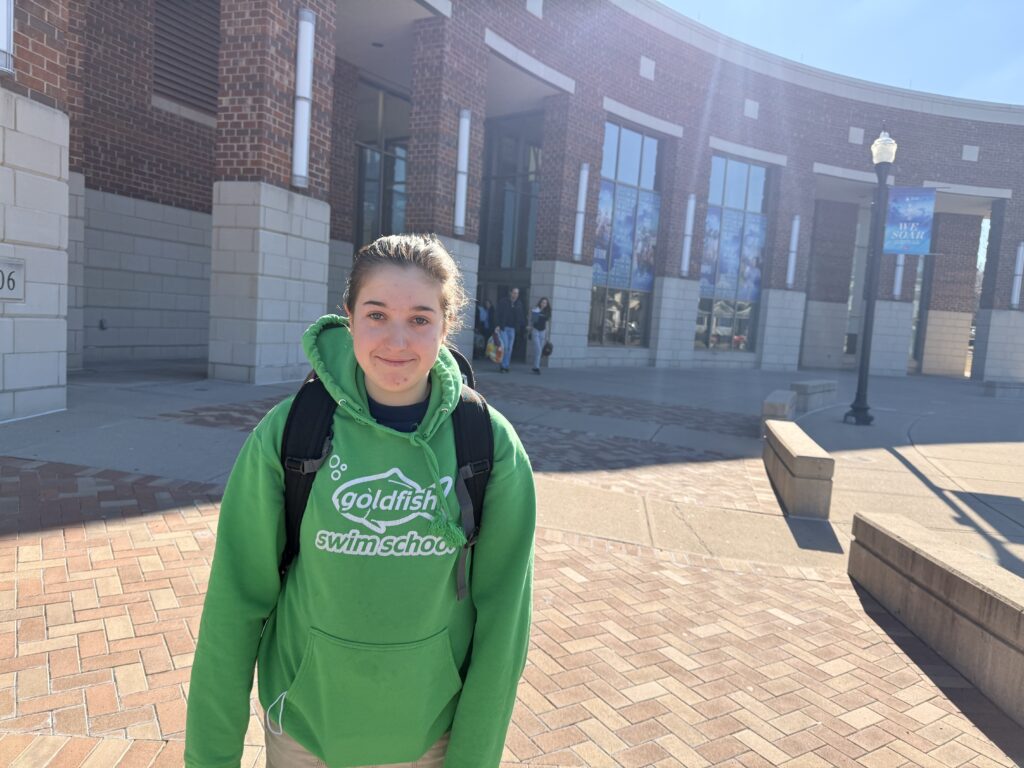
[[883, 153]]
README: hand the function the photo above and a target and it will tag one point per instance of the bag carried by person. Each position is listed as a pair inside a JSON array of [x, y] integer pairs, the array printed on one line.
[[547, 349], [307, 444], [495, 351]]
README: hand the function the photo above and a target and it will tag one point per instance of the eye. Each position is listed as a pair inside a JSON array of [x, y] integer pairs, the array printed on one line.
[[375, 315], [420, 320]]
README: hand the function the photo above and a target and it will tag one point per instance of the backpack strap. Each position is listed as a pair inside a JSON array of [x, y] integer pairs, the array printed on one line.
[[474, 455], [305, 446]]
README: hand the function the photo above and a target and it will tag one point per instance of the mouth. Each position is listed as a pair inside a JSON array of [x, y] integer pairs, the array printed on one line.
[[394, 362]]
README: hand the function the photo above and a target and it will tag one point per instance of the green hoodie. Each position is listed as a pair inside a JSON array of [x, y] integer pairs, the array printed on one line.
[[363, 649]]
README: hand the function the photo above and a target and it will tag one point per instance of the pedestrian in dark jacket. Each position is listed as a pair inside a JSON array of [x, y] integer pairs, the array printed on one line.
[[511, 320]]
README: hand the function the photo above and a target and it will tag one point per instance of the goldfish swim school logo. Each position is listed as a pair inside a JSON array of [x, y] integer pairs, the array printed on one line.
[[363, 501]]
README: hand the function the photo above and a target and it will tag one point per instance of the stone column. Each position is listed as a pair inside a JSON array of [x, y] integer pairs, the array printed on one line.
[[950, 276], [894, 318], [449, 74], [33, 256], [998, 351], [782, 307], [573, 134], [833, 241], [268, 277]]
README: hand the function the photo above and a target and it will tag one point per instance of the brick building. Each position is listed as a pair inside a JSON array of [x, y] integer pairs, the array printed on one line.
[[683, 199]]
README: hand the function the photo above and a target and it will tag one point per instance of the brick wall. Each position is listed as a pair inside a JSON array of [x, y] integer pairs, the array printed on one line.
[[1006, 232], [344, 167], [257, 86], [449, 74], [832, 243], [121, 142], [953, 268], [40, 52]]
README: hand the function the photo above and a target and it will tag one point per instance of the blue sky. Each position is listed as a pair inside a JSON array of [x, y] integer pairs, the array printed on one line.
[[970, 50]]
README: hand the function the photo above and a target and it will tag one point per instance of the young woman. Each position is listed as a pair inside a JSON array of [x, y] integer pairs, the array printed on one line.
[[540, 326], [365, 654]]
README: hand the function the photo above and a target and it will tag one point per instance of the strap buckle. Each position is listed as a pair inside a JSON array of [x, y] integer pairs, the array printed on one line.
[[309, 466]]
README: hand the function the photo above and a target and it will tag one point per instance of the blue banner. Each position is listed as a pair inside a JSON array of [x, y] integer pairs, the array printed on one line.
[[908, 225]]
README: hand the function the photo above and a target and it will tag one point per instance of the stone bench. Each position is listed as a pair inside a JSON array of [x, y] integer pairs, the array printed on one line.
[[780, 404], [800, 470], [811, 395], [1004, 389], [967, 608]]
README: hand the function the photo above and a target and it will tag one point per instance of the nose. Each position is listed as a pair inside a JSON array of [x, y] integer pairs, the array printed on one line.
[[396, 335]]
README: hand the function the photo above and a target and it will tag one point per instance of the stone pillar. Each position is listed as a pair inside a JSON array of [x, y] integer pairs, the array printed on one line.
[[449, 74], [950, 276], [781, 322], [892, 337], [833, 241], [573, 134], [998, 352], [673, 317], [268, 276], [33, 256]]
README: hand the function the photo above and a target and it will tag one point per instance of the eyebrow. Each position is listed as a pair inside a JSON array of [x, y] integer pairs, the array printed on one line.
[[375, 303]]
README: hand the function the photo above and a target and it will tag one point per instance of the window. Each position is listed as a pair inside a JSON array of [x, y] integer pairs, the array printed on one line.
[[382, 136], [511, 189], [6, 35], [730, 269], [627, 235], [186, 43]]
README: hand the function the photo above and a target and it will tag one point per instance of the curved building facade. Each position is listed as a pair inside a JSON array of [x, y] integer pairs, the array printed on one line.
[[684, 200]]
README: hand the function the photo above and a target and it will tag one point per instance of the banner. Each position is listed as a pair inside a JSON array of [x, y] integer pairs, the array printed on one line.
[[908, 225], [604, 232]]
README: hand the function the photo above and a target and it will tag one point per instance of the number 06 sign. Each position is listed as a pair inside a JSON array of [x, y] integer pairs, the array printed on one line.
[[12, 280]]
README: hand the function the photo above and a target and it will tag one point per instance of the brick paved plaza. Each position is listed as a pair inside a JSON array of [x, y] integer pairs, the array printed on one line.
[[639, 656]]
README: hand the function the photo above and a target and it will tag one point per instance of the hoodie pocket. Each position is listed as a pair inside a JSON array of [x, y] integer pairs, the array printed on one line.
[[357, 696]]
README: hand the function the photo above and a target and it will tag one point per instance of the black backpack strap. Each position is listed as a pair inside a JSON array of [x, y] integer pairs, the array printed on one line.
[[474, 454], [305, 446]]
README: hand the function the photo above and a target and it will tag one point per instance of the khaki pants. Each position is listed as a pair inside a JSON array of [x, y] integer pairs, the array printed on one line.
[[284, 752]]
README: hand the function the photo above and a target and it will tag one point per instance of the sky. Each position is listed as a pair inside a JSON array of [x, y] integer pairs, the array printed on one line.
[[969, 50]]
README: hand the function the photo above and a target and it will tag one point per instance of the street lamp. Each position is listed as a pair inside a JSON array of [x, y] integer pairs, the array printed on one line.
[[883, 153]]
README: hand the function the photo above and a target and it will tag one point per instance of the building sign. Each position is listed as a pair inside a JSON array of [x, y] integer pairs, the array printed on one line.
[[908, 225], [12, 280]]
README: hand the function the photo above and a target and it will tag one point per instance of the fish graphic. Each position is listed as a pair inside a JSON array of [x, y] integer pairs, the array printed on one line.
[[388, 499]]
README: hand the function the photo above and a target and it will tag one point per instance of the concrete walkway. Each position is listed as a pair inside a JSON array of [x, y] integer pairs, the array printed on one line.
[[680, 618]]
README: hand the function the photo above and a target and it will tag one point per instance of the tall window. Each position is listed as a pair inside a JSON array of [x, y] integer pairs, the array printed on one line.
[[627, 234], [512, 185], [6, 35], [730, 270], [186, 43], [382, 138]]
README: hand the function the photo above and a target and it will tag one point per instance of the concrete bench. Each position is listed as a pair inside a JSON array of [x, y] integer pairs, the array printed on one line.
[[1004, 389], [814, 394], [967, 608], [799, 469], [780, 404]]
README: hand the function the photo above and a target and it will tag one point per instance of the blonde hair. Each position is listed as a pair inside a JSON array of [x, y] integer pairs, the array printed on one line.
[[423, 251]]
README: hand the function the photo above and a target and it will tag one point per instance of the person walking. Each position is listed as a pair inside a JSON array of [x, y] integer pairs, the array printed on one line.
[[511, 318], [540, 325], [366, 653]]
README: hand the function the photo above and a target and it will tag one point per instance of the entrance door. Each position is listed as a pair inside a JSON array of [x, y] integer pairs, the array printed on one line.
[[512, 155]]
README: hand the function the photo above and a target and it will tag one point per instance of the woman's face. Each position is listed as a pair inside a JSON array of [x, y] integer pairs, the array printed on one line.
[[543, 304], [398, 327]]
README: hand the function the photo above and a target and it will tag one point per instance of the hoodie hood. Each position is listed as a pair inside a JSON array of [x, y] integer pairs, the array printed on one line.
[[328, 345]]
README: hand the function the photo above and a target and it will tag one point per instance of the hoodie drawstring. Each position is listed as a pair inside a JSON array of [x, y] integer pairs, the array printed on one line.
[[442, 525]]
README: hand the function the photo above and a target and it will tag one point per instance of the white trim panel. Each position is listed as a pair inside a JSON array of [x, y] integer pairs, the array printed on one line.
[[751, 153], [642, 118], [966, 189], [691, 32], [528, 63], [848, 173], [440, 7]]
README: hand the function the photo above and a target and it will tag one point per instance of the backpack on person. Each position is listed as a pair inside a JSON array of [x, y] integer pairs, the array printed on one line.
[[306, 445]]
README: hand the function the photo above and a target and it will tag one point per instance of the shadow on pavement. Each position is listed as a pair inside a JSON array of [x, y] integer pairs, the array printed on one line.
[[995, 724], [814, 534], [990, 508]]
